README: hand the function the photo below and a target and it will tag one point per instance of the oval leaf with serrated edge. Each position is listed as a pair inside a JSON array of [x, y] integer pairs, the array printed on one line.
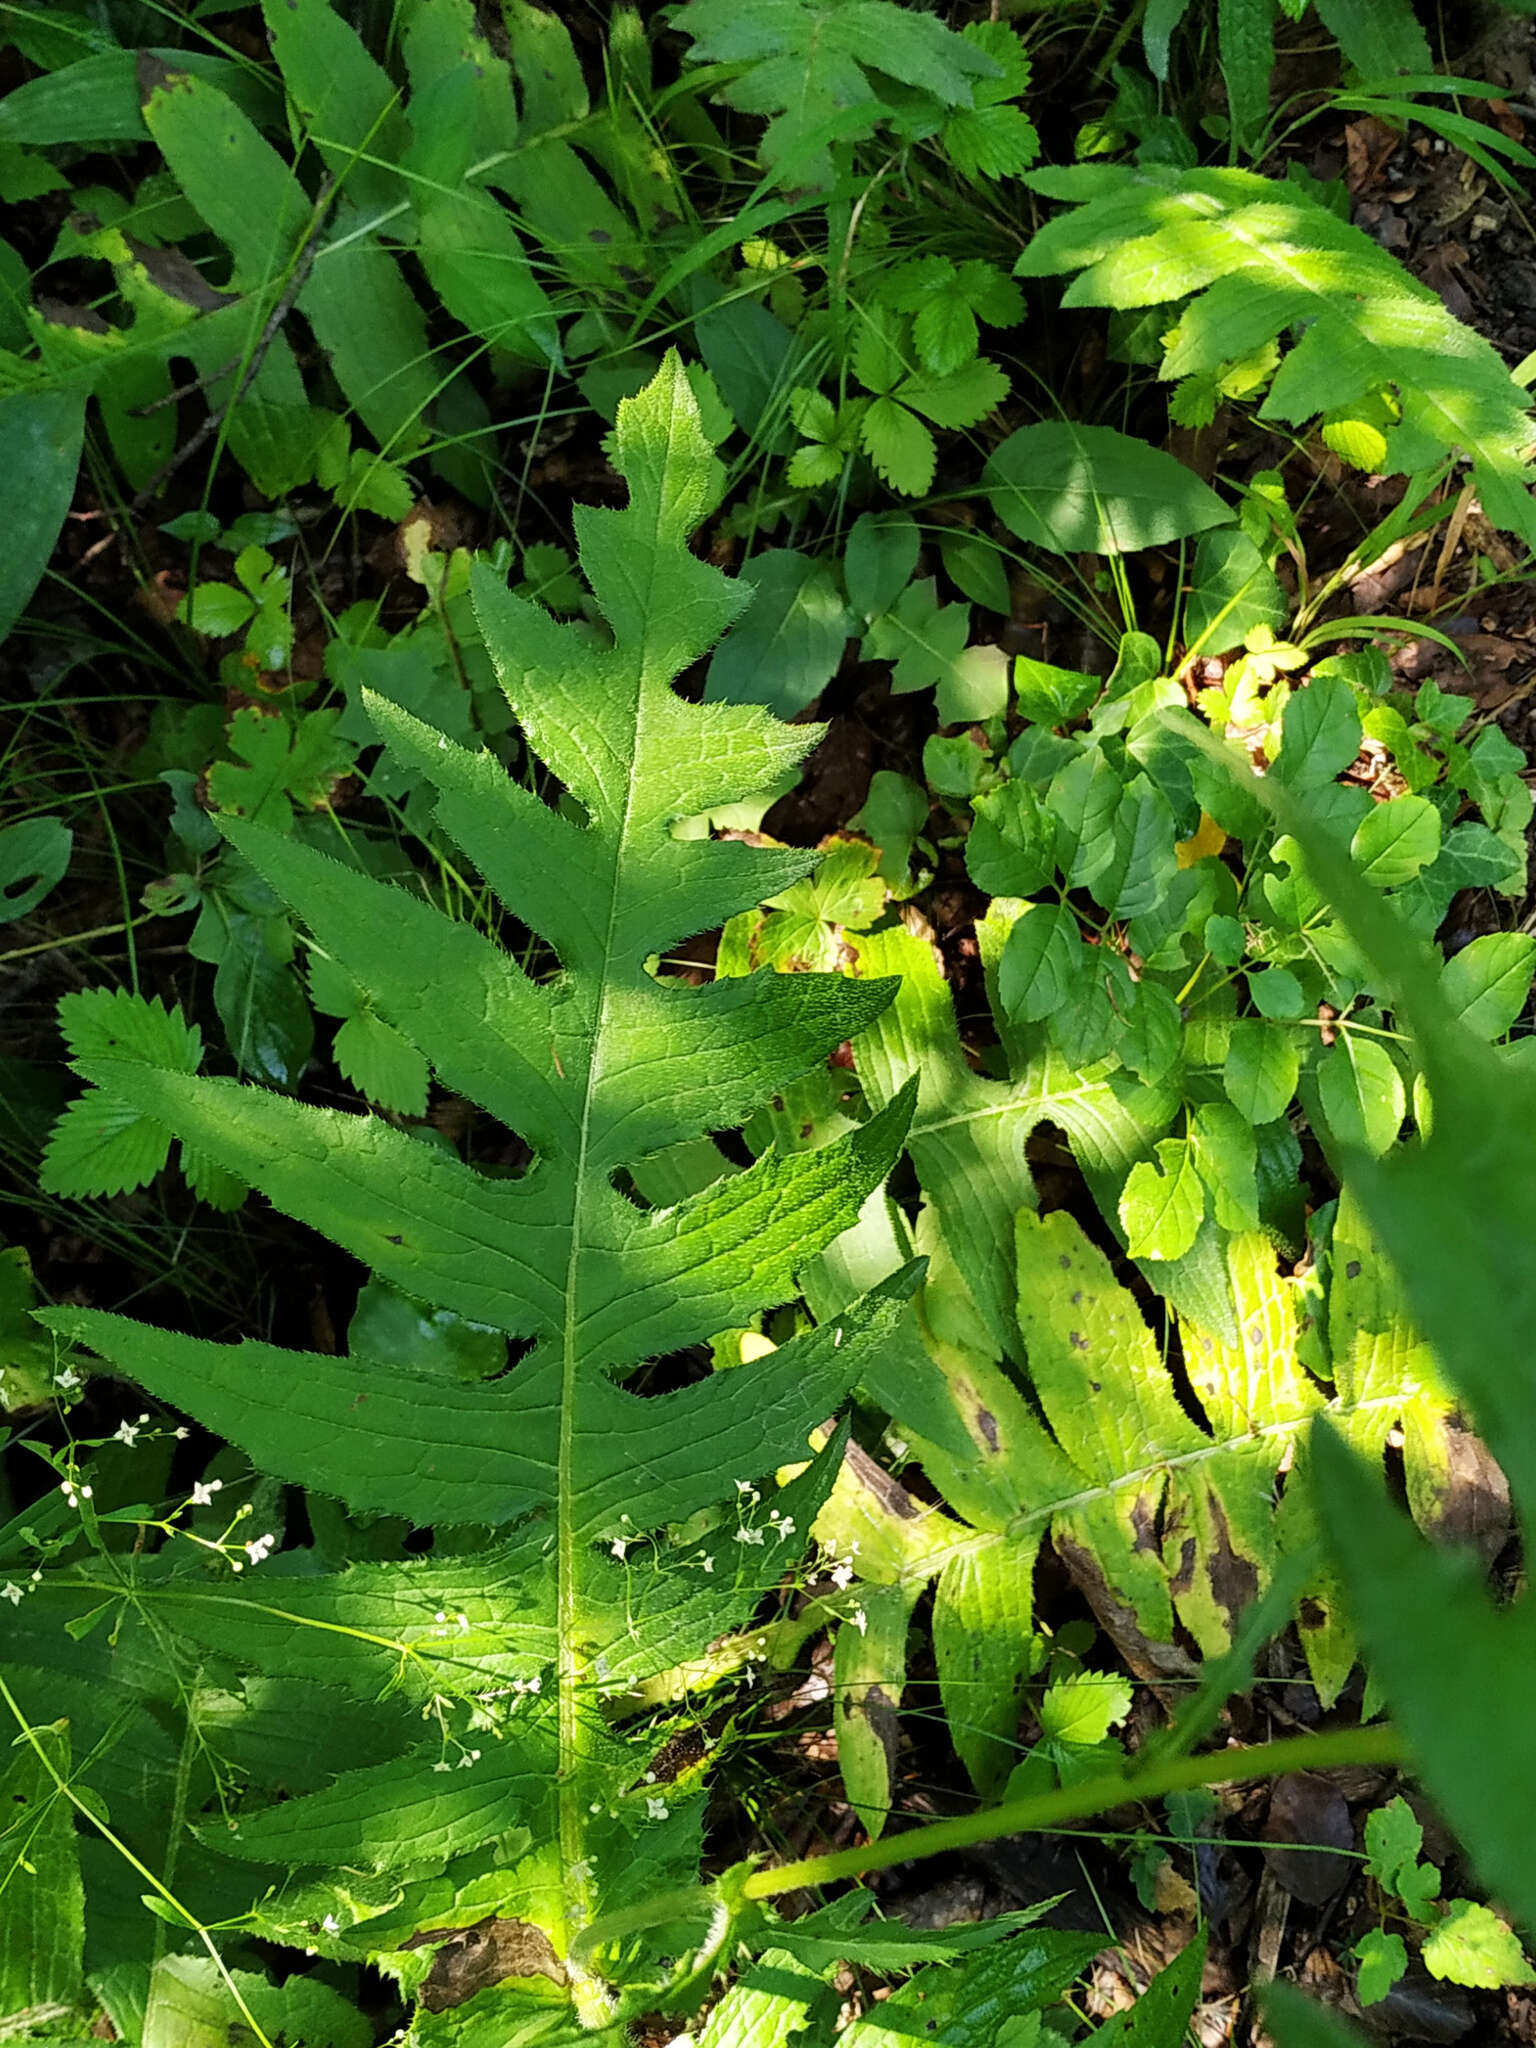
[[1362, 1093], [1487, 983], [1008, 852], [1319, 734], [1041, 962], [1092, 490], [1260, 1070], [1396, 839]]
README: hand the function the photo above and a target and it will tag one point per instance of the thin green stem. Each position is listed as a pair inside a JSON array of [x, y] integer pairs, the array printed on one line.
[[1079, 1802], [1377, 1745], [99, 931]]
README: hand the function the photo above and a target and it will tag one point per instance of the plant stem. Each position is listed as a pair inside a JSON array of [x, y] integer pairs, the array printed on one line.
[[1077, 1802], [1378, 1745], [100, 931]]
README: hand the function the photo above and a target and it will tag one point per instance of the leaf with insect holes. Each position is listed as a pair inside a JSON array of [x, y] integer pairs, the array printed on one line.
[[596, 1065]]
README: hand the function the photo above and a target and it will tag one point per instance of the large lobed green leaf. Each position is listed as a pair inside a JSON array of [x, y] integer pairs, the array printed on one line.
[[599, 1065], [1258, 261]]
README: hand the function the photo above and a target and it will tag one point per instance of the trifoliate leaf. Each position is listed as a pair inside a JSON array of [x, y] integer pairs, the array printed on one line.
[[961, 399], [101, 1146], [922, 637], [106, 1024]]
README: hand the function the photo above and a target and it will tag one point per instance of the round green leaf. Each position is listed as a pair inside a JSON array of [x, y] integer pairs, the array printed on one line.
[[1092, 490], [1260, 1071], [1487, 983], [1362, 1093], [1396, 839]]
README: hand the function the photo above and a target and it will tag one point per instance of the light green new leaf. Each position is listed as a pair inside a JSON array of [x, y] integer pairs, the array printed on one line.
[[869, 1675], [598, 1066], [1360, 1088], [1083, 1707], [1162, 1204], [1395, 840], [1472, 1945]]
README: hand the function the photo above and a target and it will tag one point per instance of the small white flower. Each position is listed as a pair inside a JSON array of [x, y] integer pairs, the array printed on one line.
[[618, 1547], [860, 1620], [67, 1378], [202, 1495], [11, 1591], [842, 1576], [329, 1924], [581, 1871], [656, 1809], [261, 1549], [126, 1433], [463, 1621], [182, 1434], [750, 1536], [440, 1616], [442, 1765], [709, 1564]]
